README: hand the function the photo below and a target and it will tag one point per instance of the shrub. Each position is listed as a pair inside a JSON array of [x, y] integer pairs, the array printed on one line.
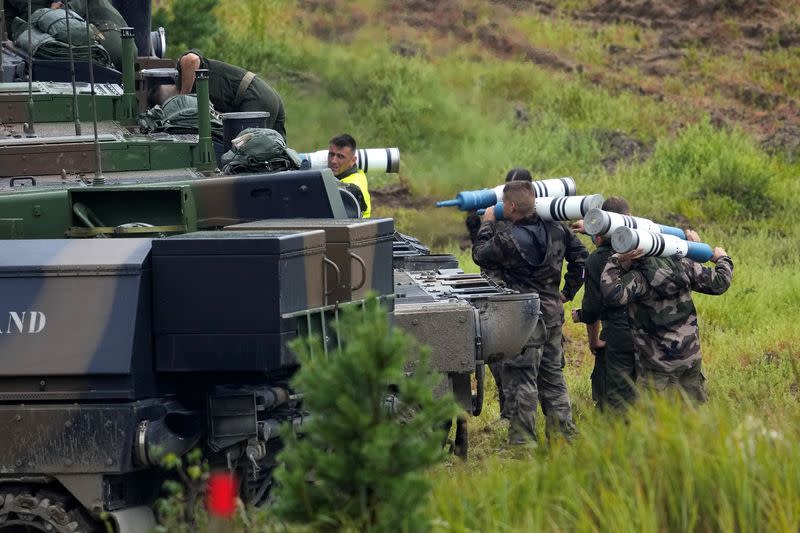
[[361, 463]]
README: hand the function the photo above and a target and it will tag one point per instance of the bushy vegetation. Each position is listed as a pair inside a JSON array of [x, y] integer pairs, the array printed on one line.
[[373, 430], [462, 118]]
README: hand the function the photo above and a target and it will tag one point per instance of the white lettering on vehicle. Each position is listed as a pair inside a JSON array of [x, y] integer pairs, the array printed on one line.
[[26, 322]]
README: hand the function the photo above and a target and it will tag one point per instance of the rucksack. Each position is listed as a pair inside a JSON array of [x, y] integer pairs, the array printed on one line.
[[259, 150], [178, 115]]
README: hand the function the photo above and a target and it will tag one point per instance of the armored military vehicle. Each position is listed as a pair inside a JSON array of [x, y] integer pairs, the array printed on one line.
[[148, 301]]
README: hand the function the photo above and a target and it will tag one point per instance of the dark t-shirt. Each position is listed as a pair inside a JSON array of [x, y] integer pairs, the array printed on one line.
[[223, 84], [616, 330]]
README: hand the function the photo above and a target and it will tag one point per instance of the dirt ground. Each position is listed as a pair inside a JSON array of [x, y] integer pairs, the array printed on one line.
[[726, 27]]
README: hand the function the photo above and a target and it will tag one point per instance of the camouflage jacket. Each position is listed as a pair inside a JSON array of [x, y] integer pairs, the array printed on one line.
[[658, 293], [473, 223], [529, 255]]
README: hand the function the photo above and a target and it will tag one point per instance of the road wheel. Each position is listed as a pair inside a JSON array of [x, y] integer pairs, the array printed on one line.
[[32, 508]]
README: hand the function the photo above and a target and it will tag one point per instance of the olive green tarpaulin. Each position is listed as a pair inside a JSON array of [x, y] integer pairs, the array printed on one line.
[[49, 36], [178, 115]]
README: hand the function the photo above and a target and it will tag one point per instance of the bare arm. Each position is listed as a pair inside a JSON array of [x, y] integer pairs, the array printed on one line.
[[189, 64], [593, 332]]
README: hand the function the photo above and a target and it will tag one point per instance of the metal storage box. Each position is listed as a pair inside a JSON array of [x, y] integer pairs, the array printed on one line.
[[207, 318], [360, 248], [75, 319]]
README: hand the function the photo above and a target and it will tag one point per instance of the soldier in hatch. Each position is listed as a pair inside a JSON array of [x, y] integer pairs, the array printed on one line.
[[342, 159], [529, 254], [232, 89], [663, 319]]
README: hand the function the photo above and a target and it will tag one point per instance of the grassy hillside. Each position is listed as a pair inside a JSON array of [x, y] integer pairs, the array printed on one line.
[[689, 110]]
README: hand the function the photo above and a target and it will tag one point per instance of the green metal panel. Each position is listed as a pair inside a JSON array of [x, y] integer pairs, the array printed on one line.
[[36, 214], [53, 103], [171, 155], [49, 214], [115, 205]]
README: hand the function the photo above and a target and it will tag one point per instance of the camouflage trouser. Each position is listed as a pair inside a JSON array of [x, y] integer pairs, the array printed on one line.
[[690, 380], [497, 373], [553, 394], [613, 378], [533, 376]]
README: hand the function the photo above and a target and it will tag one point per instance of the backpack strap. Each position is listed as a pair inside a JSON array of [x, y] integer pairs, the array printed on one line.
[[243, 86]]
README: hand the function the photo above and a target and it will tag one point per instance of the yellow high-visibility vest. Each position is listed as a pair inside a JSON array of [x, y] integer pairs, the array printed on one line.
[[359, 179]]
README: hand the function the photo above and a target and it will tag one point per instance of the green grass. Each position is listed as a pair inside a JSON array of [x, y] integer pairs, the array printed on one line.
[[665, 468], [731, 465]]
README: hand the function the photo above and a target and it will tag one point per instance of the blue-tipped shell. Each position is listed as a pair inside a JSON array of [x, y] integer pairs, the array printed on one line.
[[670, 230], [699, 251]]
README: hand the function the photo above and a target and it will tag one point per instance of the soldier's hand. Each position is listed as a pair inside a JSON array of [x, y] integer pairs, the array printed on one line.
[[577, 227], [627, 258], [718, 253], [691, 235], [595, 345], [56, 5], [488, 216], [563, 297], [576, 316]]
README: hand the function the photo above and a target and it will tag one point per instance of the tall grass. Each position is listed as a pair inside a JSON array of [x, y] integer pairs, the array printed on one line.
[[667, 467]]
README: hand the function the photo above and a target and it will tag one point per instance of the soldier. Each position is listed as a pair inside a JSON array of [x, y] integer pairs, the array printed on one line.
[[473, 223], [232, 89], [342, 162], [529, 254], [614, 364], [663, 319]]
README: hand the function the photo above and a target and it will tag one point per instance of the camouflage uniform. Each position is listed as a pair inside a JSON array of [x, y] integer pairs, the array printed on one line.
[[663, 319], [473, 223], [529, 255], [615, 365]]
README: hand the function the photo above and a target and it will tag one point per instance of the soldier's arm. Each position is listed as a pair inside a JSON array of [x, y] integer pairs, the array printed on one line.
[[575, 255], [710, 280], [592, 296], [593, 333], [619, 287], [488, 250], [188, 63]]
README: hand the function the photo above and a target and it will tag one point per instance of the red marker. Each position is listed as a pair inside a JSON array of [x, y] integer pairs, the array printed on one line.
[[221, 496]]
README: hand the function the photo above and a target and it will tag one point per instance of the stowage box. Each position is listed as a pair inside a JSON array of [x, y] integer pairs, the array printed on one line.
[[360, 248], [74, 319], [219, 297]]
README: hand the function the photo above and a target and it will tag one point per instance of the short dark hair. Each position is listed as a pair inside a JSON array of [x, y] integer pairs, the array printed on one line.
[[344, 140], [616, 204], [519, 174], [522, 194]]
